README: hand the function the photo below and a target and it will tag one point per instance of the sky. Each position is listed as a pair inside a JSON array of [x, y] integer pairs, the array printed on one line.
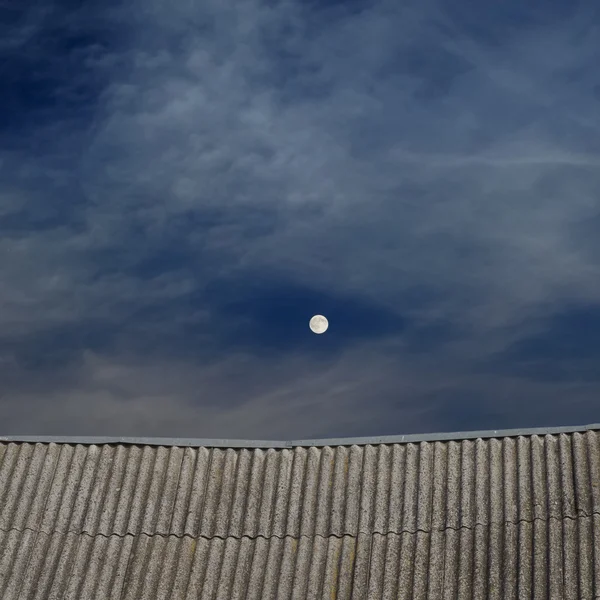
[[184, 184]]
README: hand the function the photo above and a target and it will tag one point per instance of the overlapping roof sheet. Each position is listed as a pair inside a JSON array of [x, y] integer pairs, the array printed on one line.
[[490, 517]]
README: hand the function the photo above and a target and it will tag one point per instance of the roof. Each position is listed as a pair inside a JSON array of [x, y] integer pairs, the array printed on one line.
[[345, 441], [515, 514]]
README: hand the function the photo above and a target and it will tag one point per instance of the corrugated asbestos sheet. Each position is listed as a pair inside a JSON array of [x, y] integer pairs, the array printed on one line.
[[512, 517]]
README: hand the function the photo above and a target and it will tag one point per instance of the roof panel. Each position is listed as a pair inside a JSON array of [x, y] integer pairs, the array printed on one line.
[[518, 516], [328, 491]]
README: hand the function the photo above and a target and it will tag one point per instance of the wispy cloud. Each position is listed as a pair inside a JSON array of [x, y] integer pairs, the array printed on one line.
[[168, 170]]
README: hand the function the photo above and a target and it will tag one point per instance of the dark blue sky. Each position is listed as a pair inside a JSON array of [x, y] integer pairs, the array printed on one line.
[[184, 184]]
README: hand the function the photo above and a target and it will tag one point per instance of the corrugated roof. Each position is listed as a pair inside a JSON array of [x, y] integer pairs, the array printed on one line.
[[491, 517]]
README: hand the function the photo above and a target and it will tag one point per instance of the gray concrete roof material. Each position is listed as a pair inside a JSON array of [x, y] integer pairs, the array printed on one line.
[[489, 517]]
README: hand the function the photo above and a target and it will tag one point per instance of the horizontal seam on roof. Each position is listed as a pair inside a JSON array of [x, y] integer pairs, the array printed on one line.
[[316, 535]]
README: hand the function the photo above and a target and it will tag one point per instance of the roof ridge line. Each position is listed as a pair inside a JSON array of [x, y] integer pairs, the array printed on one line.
[[278, 444]]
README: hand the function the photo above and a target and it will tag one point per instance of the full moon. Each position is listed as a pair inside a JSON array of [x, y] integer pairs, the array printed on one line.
[[318, 324]]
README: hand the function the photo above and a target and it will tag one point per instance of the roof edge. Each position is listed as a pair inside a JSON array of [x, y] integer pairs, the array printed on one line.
[[349, 441]]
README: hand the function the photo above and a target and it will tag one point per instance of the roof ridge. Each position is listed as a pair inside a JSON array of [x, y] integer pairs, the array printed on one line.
[[278, 444]]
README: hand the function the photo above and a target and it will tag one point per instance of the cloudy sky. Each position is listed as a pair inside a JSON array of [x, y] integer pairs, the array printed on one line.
[[184, 183]]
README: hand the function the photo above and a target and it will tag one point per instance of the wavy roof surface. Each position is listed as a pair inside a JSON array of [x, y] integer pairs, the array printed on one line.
[[503, 514]]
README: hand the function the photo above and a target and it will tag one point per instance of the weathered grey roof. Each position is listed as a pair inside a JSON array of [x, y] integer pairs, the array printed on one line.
[[514, 515]]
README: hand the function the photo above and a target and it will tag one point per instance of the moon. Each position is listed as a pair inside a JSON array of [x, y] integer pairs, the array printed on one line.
[[318, 324]]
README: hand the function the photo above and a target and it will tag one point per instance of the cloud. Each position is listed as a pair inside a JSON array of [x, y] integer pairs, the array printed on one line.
[[365, 392], [429, 172]]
